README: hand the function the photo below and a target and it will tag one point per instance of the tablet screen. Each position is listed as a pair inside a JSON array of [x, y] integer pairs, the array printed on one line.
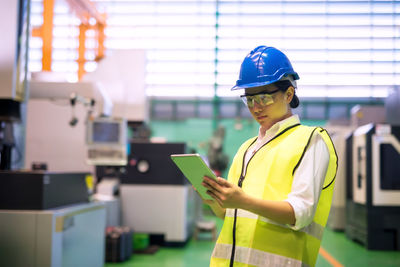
[[194, 169]]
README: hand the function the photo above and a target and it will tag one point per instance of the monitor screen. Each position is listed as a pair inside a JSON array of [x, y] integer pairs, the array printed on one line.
[[106, 132]]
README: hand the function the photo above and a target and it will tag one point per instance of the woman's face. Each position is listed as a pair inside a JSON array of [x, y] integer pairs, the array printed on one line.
[[268, 115]]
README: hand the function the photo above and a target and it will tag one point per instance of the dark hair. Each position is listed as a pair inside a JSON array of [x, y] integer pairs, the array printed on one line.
[[283, 86]]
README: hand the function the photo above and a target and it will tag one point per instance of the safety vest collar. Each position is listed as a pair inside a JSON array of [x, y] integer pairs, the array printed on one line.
[[254, 257], [281, 131]]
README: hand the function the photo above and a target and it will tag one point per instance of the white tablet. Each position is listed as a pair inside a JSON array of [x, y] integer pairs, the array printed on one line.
[[194, 169]]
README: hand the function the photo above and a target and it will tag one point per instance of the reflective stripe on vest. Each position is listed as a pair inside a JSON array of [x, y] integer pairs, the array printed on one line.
[[314, 229], [254, 257]]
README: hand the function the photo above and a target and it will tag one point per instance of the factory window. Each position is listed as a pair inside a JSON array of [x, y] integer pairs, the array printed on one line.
[[194, 48], [339, 48]]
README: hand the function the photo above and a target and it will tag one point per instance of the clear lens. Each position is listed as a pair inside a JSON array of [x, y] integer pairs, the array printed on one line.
[[266, 100], [261, 99]]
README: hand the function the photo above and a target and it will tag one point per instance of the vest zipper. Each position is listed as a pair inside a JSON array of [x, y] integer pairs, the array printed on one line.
[[233, 240], [240, 183]]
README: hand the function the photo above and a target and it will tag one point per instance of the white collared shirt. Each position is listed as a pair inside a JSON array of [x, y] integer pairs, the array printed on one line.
[[309, 176]]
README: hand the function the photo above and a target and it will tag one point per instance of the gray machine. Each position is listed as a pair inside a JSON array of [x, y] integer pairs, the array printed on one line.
[[392, 106], [47, 221], [70, 236], [373, 186], [337, 215], [159, 210], [155, 196], [106, 193]]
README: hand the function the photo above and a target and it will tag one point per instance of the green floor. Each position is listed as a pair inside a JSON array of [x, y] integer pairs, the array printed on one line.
[[349, 253], [197, 254]]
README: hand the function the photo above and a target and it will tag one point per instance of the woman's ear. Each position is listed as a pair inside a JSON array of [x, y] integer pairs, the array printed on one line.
[[289, 94]]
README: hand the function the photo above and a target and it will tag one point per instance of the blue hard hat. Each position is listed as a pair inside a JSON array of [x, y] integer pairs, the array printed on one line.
[[264, 65]]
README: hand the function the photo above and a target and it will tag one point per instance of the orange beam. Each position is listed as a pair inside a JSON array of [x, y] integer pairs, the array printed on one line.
[[100, 41], [81, 50], [47, 34]]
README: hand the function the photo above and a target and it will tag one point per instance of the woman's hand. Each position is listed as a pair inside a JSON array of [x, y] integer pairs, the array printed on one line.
[[227, 195], [214, 205], [205, 201]]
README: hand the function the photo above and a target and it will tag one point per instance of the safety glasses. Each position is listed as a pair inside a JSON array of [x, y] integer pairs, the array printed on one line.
[[262, 98]]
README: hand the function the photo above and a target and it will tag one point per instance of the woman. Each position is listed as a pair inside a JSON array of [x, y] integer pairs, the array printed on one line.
[[277, 198]]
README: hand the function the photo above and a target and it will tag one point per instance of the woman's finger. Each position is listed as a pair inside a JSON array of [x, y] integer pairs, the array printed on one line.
[[214, 196], [223, 182], [207, 183], [210, 181]]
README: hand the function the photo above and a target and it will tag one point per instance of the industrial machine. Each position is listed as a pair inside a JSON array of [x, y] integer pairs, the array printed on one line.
[[337, 215], [71, 128], [71, 236], [155, 196], [14, 25], [56, 125], [46, 220], [373, 186], [62, 115], [39, 190]]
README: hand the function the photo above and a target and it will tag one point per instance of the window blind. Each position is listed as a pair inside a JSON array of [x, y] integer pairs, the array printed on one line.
[[339, 48]]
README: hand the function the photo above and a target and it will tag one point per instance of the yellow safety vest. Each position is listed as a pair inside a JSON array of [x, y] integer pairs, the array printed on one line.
[[247, 239]]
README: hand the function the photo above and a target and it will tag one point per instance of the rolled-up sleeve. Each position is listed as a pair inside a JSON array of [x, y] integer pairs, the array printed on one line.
[[308, 181]]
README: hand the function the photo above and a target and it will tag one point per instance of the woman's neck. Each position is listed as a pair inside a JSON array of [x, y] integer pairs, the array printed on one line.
[[265, 128]]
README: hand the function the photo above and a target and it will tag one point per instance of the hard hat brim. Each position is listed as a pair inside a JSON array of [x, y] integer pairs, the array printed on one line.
[[257, 84]]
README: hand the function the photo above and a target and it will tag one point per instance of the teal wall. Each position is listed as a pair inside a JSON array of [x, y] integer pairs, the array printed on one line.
[[196, 132]]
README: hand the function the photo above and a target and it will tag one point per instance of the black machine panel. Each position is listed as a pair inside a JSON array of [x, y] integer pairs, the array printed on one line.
[[38, 190], [390, 173], [150, 163]]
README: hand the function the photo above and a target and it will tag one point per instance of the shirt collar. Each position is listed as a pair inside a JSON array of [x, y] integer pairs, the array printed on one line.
[[278, 127]]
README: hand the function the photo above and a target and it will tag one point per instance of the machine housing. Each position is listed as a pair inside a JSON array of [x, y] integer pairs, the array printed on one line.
[[155, 196], [373, 186]]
